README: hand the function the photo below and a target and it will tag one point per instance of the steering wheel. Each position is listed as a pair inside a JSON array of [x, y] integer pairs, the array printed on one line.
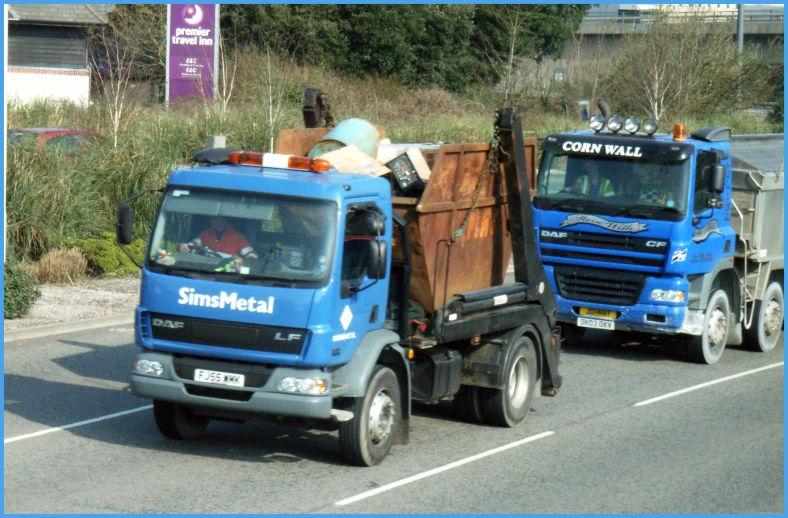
[[205, 251]]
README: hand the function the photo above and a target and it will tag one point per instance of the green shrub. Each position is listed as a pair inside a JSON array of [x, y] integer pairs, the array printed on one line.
[[105, 256], [19, 291]]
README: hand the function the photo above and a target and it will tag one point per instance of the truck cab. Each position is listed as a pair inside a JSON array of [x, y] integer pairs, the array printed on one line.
[[635, 234]]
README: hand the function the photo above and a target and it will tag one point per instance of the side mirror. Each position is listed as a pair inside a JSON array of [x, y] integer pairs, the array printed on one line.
[[376, 268], [123, 227], [366, 223], [717, 181]]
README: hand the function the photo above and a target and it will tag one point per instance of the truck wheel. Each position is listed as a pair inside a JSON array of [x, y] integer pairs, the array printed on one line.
[[509, 406], [708, 347], [366, 439], [764, 333], [175, 421], [467, 405], [572, 334]]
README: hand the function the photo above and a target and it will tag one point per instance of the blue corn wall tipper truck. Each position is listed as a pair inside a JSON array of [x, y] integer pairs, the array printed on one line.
[[320, 329], [664, 234]]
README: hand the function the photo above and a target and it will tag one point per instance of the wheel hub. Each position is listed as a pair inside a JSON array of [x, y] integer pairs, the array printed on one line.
[[717, 326], [773, 317], [518, 383], [381, 417]]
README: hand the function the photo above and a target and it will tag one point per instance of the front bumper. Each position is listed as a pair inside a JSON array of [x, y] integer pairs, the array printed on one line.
[[646, 318], [265, 400]]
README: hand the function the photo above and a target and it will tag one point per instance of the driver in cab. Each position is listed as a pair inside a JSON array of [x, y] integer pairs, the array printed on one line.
[[591, 184], [222, 238]]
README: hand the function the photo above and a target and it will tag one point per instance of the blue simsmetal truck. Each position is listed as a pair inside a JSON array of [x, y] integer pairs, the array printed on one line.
[[664, 234], [319, 328]]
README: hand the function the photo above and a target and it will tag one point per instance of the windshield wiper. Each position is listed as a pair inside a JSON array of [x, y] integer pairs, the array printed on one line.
[[564, 204], [645, 209], [168, 269]]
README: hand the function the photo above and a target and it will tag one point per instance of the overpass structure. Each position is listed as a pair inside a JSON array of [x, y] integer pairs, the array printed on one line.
[[602, 30]]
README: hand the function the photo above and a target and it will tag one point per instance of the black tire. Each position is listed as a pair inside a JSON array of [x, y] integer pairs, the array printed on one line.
[[467, 405], [366, 439], [175, 421], [509, 406], [708, 347], [572, 334], [764, 333]]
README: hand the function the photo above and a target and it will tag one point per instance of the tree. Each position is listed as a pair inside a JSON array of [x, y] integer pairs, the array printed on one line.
[[415, 44], [506, 32], [684, 66], [112, 63], [143, 27]]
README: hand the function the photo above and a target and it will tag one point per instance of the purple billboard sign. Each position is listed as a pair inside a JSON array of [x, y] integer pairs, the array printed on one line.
[[192, 49]]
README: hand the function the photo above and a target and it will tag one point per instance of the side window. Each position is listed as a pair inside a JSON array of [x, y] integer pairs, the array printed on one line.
[[63, 144], [357, 247], [552, 181], [703, 170]]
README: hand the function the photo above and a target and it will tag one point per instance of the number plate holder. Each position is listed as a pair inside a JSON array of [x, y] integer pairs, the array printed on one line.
[[595, 323], [226, 379]]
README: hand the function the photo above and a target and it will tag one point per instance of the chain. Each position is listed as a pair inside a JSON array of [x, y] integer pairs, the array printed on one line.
[[490, 166]]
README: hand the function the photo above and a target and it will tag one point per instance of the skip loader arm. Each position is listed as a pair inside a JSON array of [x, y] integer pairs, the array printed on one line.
[[528, 269]]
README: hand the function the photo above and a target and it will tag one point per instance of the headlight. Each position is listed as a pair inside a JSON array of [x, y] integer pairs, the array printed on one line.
[[667, 295], [148, 368], [597, 122], [632, 125], [614, 123], [303, 386], [650, 126]]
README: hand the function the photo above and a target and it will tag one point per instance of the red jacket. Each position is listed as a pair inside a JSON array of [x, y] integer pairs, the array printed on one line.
[[232, 242]]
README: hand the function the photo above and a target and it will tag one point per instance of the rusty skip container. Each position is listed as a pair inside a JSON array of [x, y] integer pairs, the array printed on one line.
[[476, 260]]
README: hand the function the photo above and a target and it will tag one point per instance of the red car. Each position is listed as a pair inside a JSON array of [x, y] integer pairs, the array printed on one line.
[[53, 139]]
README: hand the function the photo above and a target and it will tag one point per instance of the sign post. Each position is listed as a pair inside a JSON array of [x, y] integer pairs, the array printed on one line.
[[192, 51]]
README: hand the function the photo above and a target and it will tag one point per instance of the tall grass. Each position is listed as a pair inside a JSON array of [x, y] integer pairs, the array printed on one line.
[[52, 201]]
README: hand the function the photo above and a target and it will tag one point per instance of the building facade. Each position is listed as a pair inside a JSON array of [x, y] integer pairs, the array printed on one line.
[[48, 50]]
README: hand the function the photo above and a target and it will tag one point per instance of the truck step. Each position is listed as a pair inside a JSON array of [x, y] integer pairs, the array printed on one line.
[[341, 415]]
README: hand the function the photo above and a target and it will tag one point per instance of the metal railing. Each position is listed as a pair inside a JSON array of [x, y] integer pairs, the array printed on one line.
[[750, 15]]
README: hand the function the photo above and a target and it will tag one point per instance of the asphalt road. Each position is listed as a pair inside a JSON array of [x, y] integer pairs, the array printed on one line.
[[70, 448]]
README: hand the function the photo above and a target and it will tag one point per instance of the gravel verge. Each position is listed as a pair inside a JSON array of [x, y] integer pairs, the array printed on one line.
[[90, 298]]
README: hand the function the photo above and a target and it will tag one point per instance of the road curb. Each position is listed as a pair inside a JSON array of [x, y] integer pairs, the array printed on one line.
[[67, 327]]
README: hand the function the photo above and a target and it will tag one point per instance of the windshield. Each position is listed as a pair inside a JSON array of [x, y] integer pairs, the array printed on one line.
[[240, 237], [21, 138], [613, 186]]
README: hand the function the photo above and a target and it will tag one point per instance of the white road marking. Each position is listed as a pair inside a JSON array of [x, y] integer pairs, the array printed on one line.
[[707, 384], [447, 467], [74, 425]]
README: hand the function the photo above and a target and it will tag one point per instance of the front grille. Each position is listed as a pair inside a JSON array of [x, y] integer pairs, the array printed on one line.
[[598, 285], [145, 331], [607, 241], [235, 335], [218, 393], [602, 258], [589, 246], [256, 375]]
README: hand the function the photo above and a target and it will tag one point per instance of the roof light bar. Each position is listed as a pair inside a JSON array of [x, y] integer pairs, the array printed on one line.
[[279, 161], [632, 125], [650, 126], [597, 122], [614, 123]]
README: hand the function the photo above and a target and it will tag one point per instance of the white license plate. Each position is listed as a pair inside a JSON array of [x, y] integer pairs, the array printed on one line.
[[219, 378], [596, 323]]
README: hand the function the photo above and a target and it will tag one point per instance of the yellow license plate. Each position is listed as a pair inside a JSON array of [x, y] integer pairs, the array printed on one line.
[[599, 313]]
